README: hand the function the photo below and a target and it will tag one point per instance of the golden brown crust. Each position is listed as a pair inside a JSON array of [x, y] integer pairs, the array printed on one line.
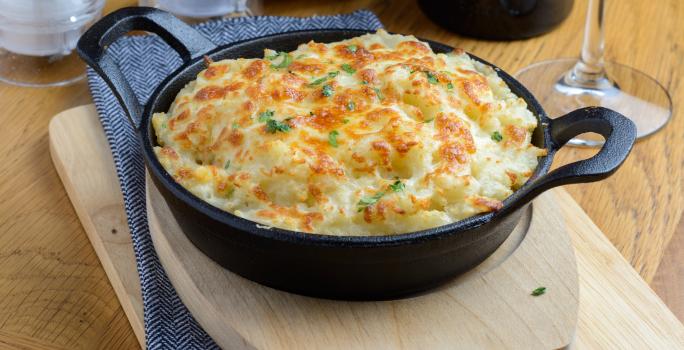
[[374, 135]]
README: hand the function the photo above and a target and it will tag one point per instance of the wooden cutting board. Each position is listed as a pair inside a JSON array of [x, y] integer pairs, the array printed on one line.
[[617, 309]]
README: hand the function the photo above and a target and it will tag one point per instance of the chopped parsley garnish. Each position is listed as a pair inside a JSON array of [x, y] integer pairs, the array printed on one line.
[[397, 186], [428, 120], [264, 116], [345, 121], [300, 56], [379, 93], [332, 138], [164, 125], [352, 48], [432, 79], [496, 136], [321, 80], [450, 86], [366, 202], [227, 165], [327, 90], [286, 60], [318, 81], [236, 126], [348, 68], [351, 105], [539, 291], [364, 82], [274, 126]]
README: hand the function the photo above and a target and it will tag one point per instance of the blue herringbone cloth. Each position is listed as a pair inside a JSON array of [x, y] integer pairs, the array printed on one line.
[[145, 61]]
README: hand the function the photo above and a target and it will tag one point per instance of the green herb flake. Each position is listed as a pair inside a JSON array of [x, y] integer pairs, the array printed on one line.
[[379, 94], [264, 116], [227, 165], [366, 202], [397, 186], [496, 136], [450, 86], [364, 82], [333, 74], [432, 79], [318, 81], [348, 68], [327, 90], [428, 120], [352, 48], [539, 291], [164, 125], [351, 106], [345, 121], [273, 126], [286, 60], [236, 126], [332, 138], [300, 56]]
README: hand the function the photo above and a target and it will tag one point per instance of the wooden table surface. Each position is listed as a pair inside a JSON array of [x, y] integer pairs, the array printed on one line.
[[55, 294]]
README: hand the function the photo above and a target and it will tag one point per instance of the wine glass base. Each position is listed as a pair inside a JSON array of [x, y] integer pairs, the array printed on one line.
[[40, 71], [631, 93]]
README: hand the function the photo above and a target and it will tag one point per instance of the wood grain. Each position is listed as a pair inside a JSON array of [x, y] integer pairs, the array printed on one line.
[[669, 279], [610, 287], [53, 290], [10, 341], [98, 201], [49, 272]]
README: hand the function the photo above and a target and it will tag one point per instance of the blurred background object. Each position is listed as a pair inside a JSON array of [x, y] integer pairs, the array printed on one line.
[[566, 84], [199, 10], [38, 37], [497, 19]]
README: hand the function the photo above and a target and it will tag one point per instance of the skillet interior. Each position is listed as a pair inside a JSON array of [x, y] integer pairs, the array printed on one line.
[[166, 92]]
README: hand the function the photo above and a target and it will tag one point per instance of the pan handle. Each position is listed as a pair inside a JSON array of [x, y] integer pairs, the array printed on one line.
[[189, 44], [619, 133]]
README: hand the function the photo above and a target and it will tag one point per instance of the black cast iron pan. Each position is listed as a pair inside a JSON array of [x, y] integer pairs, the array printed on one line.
[[367, 267]]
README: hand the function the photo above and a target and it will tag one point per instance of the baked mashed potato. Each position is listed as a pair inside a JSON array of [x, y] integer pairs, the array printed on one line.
[[374, 135]]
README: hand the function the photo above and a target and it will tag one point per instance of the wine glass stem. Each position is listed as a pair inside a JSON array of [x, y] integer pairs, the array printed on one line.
[[590, 71]]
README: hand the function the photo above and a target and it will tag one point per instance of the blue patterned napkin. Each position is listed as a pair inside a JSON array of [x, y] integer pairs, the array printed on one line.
[[146, 61]]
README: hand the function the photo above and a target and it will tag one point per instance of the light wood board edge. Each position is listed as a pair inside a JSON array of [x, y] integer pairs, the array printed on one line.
[[88, 187], [610, 287]]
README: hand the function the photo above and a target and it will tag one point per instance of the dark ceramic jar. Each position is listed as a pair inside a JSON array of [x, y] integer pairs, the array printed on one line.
[[497, 19]]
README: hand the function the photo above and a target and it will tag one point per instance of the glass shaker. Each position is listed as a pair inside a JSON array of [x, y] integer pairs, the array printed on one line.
[[38, 37], [199, 10]]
